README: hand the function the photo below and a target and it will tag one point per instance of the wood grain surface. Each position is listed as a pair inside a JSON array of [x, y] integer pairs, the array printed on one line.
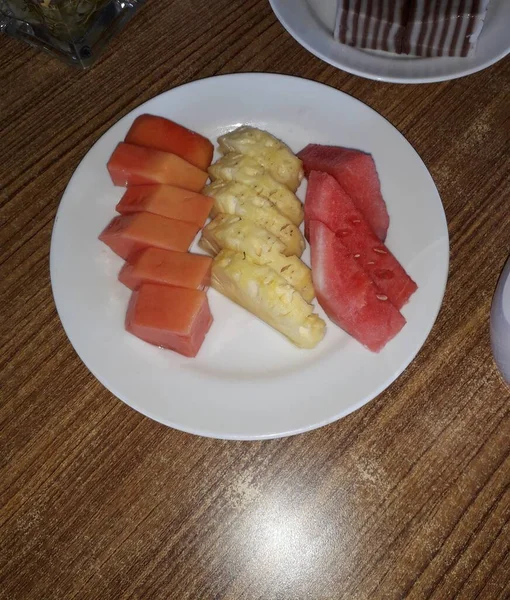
[[406, 498]]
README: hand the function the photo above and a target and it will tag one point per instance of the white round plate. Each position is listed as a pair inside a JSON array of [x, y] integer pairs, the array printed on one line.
[[248, 381], [311, 22]]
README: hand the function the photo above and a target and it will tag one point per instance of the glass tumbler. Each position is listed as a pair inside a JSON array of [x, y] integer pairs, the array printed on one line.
[[76, 31]]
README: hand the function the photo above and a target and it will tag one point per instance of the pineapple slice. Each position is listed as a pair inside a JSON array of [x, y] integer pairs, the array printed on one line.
[[244, 169], [275, 156], [266, 294], [242, 235], [235, 199]]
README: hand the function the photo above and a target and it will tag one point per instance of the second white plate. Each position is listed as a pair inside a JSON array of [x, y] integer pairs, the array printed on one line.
[[311, 23], [248, 382]]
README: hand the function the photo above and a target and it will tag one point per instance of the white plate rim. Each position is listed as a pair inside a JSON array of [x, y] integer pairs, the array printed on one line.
[[276, 6], [233, 436]]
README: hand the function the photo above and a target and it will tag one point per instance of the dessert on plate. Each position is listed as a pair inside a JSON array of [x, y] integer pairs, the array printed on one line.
[[422, 28]]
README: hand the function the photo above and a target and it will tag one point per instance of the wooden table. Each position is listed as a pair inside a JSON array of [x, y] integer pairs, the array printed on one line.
[[406, 498]]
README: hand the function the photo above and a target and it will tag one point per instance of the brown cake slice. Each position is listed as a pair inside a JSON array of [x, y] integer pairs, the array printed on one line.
[[444, 27], [413, 27], [374, 24]]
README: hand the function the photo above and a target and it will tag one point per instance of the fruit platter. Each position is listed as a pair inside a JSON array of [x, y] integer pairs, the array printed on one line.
[[249, 271]]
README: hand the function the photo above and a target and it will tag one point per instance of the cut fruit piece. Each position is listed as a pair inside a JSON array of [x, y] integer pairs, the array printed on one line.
[[244, 169], [128, 234], [242, 235], [234, 166], [326, 201], [244, 202], [347, 294], [168, 201], [167, 267], [135, 165], [228, 193], [355, 171], [267, 295], [169, 317], [275, 156], [293, 270], [162, 134]]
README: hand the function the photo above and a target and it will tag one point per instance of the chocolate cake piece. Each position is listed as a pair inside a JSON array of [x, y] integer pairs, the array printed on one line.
[[444, 27], [413, 27], [374, 24]]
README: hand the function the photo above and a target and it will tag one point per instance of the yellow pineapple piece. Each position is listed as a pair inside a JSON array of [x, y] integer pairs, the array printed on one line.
[[235, 199], [242, 235], [266, 294], [275, 156], [243, 169]]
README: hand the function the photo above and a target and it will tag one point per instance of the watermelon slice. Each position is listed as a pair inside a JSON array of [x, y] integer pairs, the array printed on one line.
[[347, 294], [326, 201], [355, 171]]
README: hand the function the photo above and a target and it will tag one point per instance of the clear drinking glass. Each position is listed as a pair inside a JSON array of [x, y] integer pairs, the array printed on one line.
[[74, 30]]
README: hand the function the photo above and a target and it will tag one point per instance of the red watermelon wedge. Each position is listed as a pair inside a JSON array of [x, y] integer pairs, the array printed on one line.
[[326, 201], [355, 171], [347, 294]]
